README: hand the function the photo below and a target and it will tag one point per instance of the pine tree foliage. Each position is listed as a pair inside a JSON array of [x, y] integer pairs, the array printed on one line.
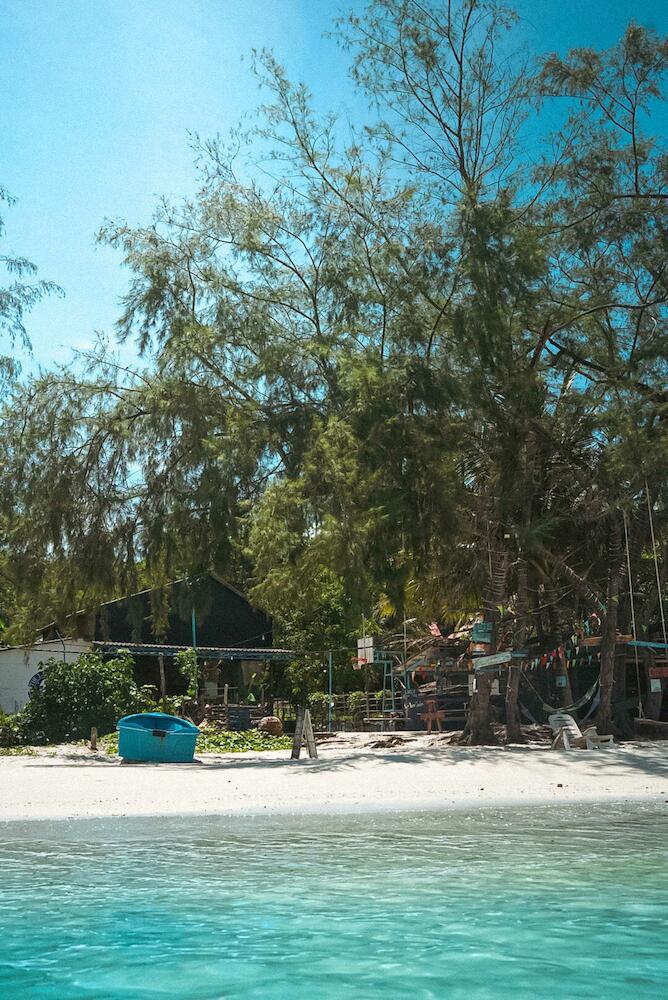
[[415, 369]]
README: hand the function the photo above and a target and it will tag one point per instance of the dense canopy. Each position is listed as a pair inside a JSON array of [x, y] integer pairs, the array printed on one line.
[[416, 369]]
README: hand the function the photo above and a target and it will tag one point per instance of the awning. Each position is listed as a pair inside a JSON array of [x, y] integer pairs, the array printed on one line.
[[203, 652]]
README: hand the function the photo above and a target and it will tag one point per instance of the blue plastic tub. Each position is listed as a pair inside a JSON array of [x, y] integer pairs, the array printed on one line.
[[156, 736]]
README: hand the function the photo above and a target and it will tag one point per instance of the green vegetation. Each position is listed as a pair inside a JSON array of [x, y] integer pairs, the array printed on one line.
[[187, 664], [10, 732], [97, 692], [76, 696], [412, 371], [19, 292], [211, 741]]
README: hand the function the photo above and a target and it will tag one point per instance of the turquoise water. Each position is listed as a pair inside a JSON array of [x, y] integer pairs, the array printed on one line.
[[568, 903]]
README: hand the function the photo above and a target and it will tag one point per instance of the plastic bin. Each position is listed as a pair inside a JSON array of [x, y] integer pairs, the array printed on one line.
[[155, 736]]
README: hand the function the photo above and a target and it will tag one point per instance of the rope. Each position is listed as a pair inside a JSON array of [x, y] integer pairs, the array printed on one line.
[[656, 564], [633, 613]]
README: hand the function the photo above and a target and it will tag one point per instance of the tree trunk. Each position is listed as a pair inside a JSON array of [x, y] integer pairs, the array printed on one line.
[[480, 721], [609, 630], [479, 726], [621, 715], [513, 720], [565, 692]]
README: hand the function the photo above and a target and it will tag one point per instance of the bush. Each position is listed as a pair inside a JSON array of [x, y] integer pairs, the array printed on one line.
[[76, 696], [357, 701], [10, 734], [189, 668], [222, 741], [305, 676], [318, 703]]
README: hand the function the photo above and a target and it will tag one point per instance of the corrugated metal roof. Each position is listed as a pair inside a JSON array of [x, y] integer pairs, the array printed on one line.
[[208, 652]]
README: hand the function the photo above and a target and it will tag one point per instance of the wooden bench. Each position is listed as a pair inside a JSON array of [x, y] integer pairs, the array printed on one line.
[[654, 723]]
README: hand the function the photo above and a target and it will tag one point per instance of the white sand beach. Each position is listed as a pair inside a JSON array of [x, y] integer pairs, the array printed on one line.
[[350, 777]]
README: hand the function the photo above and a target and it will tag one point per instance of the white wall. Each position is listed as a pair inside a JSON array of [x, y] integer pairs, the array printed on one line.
[[19, 663]]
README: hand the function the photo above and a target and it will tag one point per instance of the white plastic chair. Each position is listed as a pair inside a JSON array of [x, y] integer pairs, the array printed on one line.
[[568, 734]]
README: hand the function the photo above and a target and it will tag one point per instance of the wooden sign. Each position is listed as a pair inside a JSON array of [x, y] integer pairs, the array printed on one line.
[[495, 659], [482, 632], [303, 733]]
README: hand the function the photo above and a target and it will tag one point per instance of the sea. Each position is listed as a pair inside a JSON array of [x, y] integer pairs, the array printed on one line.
[[549, 902]]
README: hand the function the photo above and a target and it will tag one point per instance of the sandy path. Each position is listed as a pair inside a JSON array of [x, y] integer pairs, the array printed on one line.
[[80, 783]]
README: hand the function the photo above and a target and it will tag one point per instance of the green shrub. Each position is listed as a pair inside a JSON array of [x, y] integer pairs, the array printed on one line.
[[222, 741], [187, 663], [10, 734], [357, 701], [304, 677], [75, 696], [318, 702]]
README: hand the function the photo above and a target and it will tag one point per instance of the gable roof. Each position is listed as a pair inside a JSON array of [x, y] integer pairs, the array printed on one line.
[[149, 590]]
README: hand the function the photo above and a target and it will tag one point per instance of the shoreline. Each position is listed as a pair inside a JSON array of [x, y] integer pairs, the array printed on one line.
[[419, 776], [412, 807]]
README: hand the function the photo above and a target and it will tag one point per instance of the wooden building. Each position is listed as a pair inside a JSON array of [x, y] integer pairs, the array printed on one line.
[[231, 636]]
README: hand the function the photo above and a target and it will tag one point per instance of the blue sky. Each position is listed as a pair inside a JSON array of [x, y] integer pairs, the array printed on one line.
[[98, 96]]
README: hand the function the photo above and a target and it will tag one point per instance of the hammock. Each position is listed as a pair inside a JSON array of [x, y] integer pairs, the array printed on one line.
[[596, 701], [551, 709]]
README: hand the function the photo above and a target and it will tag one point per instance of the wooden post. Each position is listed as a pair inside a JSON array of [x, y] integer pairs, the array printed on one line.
[[93, 737], [163, 682], [299, 733], [308, 733]]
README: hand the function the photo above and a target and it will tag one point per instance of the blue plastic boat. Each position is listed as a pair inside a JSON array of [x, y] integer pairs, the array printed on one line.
[[155, 736]]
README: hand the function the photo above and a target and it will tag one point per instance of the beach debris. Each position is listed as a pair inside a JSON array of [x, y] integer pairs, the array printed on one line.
[[389, 742]]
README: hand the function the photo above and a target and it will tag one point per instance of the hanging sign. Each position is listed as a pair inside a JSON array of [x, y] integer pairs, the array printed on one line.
[[482, 662], [482, 632]]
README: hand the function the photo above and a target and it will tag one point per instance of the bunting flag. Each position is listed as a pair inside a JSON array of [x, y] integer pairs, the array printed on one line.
[[567, 654]]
